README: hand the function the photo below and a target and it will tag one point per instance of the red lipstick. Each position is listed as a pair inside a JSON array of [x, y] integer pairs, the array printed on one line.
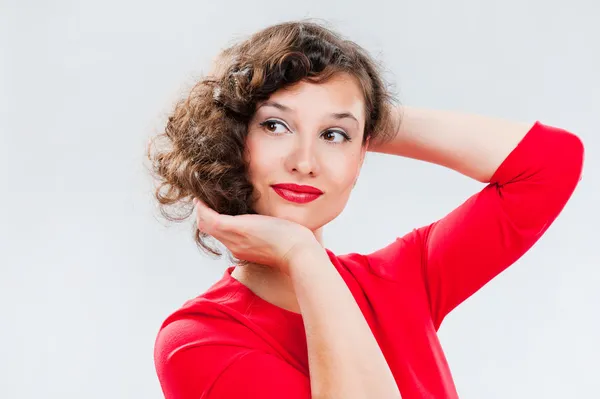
[[296, 193]]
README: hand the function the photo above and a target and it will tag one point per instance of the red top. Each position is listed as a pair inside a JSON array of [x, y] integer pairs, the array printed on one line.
[[229, 343]]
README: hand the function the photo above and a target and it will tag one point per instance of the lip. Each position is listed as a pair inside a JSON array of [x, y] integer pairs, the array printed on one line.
[[298, 188], [297, 193]]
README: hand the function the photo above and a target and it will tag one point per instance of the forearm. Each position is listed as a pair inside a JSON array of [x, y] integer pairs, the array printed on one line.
[[473, 145], [345, 360]]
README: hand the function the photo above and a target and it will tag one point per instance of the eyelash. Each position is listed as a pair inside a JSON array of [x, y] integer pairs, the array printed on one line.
[[344, 134]]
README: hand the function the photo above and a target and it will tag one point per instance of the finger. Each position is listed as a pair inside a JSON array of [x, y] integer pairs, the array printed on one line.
[[204, 214], [208, 220]]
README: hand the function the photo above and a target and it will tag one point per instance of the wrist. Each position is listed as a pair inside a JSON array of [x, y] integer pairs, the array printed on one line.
[[394, 136], [309, 267], [301, 254]]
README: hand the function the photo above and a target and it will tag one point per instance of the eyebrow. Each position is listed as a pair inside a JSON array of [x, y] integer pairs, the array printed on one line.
[[284, 108]]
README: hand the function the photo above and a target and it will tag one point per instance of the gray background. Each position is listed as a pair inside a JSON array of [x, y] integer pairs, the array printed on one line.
[[89, 270]]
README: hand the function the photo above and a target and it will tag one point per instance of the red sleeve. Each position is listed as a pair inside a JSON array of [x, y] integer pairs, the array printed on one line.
[[495, 227], [460, 253], [256, 375], [189, 370]]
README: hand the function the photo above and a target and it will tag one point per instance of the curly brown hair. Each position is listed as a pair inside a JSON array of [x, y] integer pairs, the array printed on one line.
[[201, 151]]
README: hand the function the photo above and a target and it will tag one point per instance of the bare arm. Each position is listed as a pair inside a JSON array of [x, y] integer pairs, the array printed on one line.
[[473, 145], [345, 360]]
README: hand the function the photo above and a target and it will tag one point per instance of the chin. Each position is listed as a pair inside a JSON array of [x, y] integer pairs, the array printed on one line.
[[306, 217], [313, 215], [295, 215]]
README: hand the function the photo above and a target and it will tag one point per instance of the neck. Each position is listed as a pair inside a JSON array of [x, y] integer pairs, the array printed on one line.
[[270, 283]]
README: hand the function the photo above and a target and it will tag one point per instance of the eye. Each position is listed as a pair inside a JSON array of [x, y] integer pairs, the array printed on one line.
[[271, 126], [335, 136]]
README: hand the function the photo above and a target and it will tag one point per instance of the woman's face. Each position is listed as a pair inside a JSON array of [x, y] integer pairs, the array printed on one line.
[[308, 135]]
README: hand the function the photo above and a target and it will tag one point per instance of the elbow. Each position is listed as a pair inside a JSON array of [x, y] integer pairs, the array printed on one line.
[[572, 153], [565, 168], [580, 154], [561, 155]]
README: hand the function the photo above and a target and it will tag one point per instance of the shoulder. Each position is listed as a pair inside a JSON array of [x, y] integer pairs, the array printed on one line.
[[200, 323], [393, 261], [196, 343]]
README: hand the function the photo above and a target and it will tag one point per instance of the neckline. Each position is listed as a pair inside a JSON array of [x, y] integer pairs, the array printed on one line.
[[257, 300], [262, 303]]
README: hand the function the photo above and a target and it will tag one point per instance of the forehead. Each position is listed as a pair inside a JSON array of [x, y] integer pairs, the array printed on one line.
[[340, 93]]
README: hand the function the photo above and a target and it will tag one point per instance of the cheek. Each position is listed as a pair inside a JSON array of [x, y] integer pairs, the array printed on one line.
[[342, 171], [261, 158]]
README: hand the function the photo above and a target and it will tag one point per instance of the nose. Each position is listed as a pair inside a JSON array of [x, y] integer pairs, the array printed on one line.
[[302, 159]]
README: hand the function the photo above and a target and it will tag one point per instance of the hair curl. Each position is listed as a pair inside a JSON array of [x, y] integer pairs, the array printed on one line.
[[201, 151]]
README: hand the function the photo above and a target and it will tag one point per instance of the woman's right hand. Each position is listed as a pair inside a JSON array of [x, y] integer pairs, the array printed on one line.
[[265, 240]]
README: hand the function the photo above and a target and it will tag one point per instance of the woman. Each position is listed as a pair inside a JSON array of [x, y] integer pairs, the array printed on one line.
[[268, 148]]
